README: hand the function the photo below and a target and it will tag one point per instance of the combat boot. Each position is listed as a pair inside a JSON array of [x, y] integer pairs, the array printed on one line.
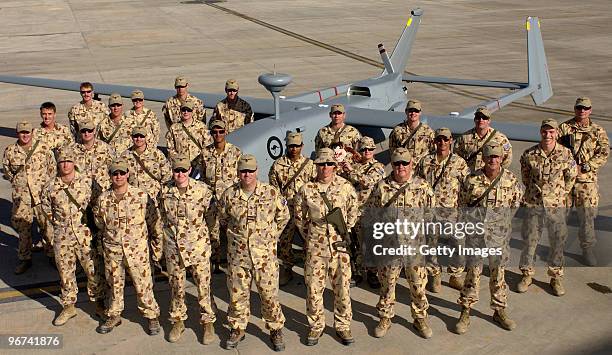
[[313, 337], [346, 338], [154, 327], [209, 333], [109, 325], [456, 282], [523, 285], [236, 336], [435, 283], [276, 337], [285, 275], [177, 330], [372, 278], [589, 257], [383, 326], [464, 321], [23, 266], [557, 287], [67, 313], [501, 318], [421, 326]]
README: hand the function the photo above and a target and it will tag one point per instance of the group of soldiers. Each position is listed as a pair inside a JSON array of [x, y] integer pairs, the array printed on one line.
[[103, 194]]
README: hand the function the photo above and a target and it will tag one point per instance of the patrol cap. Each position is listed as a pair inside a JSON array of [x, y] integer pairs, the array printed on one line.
[[550, 122], [231, 84], [415, 104], [115, 98], [187, 104], [493, 149], [366, 142], [294, 138], [65, 154], [444, 132], [137, 94], [180, 81], [217, 123], [181, 161], [87, 124], [337, 108], [139, 130], [24, 126], [247, 162], [325, 155], [118, 165], [401, 154], [483, 111], [583, 101]]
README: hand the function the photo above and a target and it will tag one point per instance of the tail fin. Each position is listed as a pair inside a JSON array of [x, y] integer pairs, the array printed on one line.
[[539, 77], [401, 52]]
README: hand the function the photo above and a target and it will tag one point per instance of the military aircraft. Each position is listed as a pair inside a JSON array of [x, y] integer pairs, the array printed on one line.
[[373, 105]]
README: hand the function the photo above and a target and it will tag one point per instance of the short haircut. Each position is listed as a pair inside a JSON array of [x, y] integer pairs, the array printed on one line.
[[48, 105], [86, 85]]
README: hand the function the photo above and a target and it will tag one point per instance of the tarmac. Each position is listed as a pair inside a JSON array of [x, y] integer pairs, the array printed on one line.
[[321, 44]]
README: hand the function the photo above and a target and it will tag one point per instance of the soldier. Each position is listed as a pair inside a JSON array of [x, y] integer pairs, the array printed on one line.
[[445, 172], [496, 192], [145, 117], [405, 193], [188, 136], [183, 203], [53, 134], [363, 174], [324, 260], [412, 134], [28, 164], [590, 146], [233, 110], [64, 201], [88, 108], [549, 171], [337, 131], [173, 106], [123, 214], [255, 214], [470, 144], [149, 170], [115, 129], [288, 174]]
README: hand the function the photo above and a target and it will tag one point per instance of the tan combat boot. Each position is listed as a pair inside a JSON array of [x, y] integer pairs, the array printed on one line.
[[588, 255], [523, 285], [464, 321], [177, 330], [23, 266], [456, 282], [501, 318], [209, 333], [346, 338], [154, 327], [285, 275], [236, 336], [313, 337], [435, 283], [109, 325], [276, 337], [421, 326], [67, 313], [557, 287], [383, 325]]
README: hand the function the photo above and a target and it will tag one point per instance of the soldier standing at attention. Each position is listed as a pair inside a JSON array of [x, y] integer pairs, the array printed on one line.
[[233, 110], [188, 136], [53, 134], [172, 107], [337, 131], [255, 214], [115, 129], [88, 108], [144, 117], [412, 134], [324, 261], [590, 146]]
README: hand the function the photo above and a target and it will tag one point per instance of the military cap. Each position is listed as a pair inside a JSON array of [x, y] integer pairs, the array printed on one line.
[[583, 101], [337, 108], [137, 94], [187, 104], [366, 142], [325, 155], [444, 132], [65, 154], [294, 138], [247, 162], [231, 84], [217, 123], [115, 98], [401, 154], [139, 130], [118, 165], [550, 122], [180, 81], [87, 124], [181, 161], [24, 126], [483, 111], [493, 149], [415, 104]]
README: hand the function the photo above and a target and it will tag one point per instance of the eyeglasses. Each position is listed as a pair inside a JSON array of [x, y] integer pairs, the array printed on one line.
[[326, 164], [442, 139], [138, 135], [218, 131], [367, 150], [247, 171], [180, 87], [116, 105], [481, 118], [582, 108], [119, 173], [184, 109], [86, 91], [137, 100], [180, 170], [402, 163], [294, 146], [413, 110], [87, 130]]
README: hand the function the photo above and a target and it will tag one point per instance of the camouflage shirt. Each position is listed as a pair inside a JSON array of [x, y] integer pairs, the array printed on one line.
[[588, 144], [220, 169], [284, 169], [172, 110], [179, 142], [420, 144], [118, 135], [94, 162], [148, 119], [470, 142], [234, 115], [79, 113], [348, 135], [363, 177], [56, 138], [507, 193], [449, 183], [151, 173]]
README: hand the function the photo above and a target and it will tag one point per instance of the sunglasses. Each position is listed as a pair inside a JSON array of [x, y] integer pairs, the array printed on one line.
[[218, 131], [402, 163], [86, 130], [180, 87], [247, 171], [326, 164], [337, 113], [294, 146], [231, 90], [186, 110], [413, 110], [119, 172], [138, 135], [180, 170], [367, 150], [481, 118], [442, 139], [137, 100], [86, 91], [116, 105], [582, 108]]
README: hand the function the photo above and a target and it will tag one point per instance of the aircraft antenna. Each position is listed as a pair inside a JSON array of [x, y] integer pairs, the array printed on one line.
[[275, 83]]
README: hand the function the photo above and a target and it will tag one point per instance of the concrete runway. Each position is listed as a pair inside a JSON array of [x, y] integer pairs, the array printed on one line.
[[147, 43]]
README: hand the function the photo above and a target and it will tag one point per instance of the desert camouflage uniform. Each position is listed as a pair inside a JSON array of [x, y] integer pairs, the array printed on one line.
[[421, 143], [122, 140], [28, 185], [56, 138], [414, 200], [469, 143], [594, 152], [72, 239], [123, 224], [80, 113], [446, 192], [254, 224], [94, 163], [234, 116], [172, 110], [349, 136], [187, 245], [280, 172], [499, 206], [323, 262], [179, 142], [148, 119]]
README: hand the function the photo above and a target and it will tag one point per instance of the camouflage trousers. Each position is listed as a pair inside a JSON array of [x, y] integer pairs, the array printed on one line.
[[456, 264], [417, 280], [22, 217], [285, 242], [156, 235], [200, 272], [215, 232], [239, 281], [585, 197], [68, 250], [317, 270], [115, 263], [555, 222]]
